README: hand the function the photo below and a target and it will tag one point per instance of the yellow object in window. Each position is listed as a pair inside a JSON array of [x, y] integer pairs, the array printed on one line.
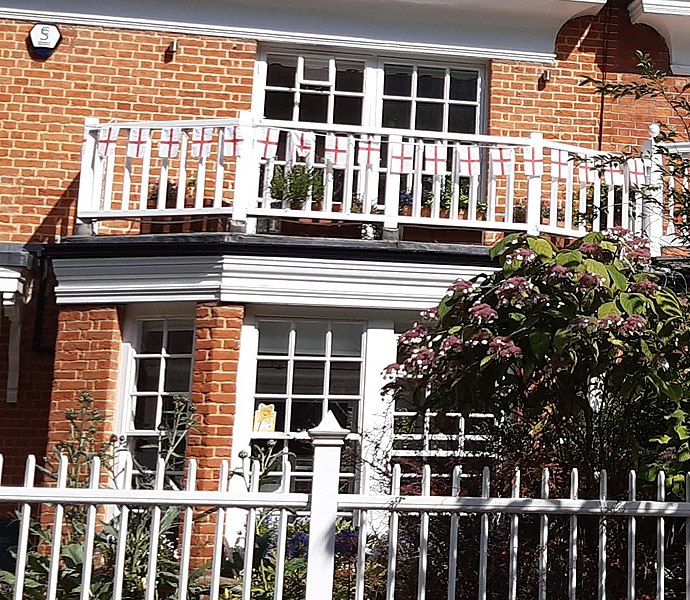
[[265, 418]]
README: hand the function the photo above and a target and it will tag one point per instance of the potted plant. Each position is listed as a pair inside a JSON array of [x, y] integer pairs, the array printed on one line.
[[293, 186], [405, 203]]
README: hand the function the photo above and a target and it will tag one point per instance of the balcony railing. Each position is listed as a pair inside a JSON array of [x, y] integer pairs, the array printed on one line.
[[246, 170]]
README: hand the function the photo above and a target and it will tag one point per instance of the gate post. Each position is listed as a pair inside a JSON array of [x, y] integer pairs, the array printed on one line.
[[328, 438]]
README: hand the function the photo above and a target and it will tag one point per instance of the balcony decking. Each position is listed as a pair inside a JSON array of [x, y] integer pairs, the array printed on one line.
[[458, 187]]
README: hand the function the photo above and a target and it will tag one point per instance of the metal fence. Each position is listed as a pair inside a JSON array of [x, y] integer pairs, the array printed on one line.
[[451, 538]]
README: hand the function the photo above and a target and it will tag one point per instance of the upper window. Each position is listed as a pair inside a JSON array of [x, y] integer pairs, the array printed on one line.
[[372, 92]]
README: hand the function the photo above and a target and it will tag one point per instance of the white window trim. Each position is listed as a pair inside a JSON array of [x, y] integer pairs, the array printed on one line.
[[372, 105]]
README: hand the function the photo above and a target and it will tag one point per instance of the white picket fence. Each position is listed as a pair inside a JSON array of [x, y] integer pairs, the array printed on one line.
[[403, 527], [505, 197]]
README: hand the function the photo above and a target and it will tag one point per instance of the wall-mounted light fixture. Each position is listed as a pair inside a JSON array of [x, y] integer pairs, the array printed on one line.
[[545, 76]]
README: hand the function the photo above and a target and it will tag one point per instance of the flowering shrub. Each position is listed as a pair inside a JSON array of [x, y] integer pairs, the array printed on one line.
[[581, 345]]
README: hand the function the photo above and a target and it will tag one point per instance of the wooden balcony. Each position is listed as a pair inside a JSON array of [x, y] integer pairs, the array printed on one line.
[[452, 187]]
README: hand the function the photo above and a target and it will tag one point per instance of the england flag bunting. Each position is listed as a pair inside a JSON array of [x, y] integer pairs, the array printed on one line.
[[469, 162], [336, 150], [560, 164], [202, 140], [534, 161], [369, 151], [636, 172], [107, 140], [304, 143], [169, 146], [137, 142], [267, 141], [587, 173], [435, 159], [233, 141], [502, 161], [613, 174], [401, 157]]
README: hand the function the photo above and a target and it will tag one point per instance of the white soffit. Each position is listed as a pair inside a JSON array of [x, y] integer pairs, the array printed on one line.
[[256, 280], [671, 18], [519, 30]]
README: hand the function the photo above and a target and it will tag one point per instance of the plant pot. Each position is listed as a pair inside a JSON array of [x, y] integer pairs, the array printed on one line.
[[426, 211], [444, 213], [462, 213], [406, 210]]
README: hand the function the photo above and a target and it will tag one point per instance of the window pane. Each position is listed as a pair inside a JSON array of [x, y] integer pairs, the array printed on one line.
[[346, 412], [279, 406], [347, 110], [279, 105], [349, 76], [316, 69], [347, 339], [148, 371], [463, 85], [301, 455], [271, 377], [180, 342], [462, 119], [345, 378], [305, 415], [145, 412], [429, 116], [308, 378], [151, 337], [310, 338], [313, 107], [396, 113], [397, 81], [281, 71], [274, 337], [177, 375], [430, 82], [146, 453]]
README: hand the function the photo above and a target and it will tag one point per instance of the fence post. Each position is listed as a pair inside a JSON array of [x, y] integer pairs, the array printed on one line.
[[653, 210], [85, 199], [534, 187], [246, 178], [328, 438]]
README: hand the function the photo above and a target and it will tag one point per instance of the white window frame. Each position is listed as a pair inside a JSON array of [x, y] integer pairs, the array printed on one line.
[[373, 85], [134, 316]]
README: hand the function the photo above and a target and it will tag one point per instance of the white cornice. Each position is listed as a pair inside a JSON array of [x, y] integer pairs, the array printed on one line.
[[671, 18], [271, 281], [534, 48]]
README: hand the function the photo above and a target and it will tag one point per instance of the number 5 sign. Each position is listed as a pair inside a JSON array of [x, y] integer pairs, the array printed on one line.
[[44, 38]]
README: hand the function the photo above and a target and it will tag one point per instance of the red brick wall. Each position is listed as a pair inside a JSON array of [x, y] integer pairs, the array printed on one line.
[[107, 73], [87, 359], [601, 47], [214, 391]]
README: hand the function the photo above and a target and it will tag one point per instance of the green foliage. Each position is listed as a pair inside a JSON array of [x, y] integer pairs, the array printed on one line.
[[82, 445], [294, 185], [579, 344]]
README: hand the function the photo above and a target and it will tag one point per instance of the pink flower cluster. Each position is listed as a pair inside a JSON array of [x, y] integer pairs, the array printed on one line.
[[638, 250], [482, 313], [593, 250], [633, 325], [590, 281], [514, 290], [504, 347], [520, 255], [645, 286], [559, 272], [460, 285]]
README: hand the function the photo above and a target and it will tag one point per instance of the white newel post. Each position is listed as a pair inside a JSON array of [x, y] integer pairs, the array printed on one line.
[[653, 211], [85, 199], [534, 189], [328, 438], [246, 178]]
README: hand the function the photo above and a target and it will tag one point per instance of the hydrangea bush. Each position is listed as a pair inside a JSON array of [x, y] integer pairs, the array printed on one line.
[[583, 346]]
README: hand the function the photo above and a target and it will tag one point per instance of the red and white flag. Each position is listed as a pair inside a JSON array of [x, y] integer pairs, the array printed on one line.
[[169, 146], [587, 173], [613, 174], [336, 150], [435, 159], [560, 165], [267, 140], [233, 141], [401, 157], [502, 161], [107, 140], [136, 144], [636, 172], [469, 163], [369, 151], [202, 139], [534, 161], [304, 143]]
